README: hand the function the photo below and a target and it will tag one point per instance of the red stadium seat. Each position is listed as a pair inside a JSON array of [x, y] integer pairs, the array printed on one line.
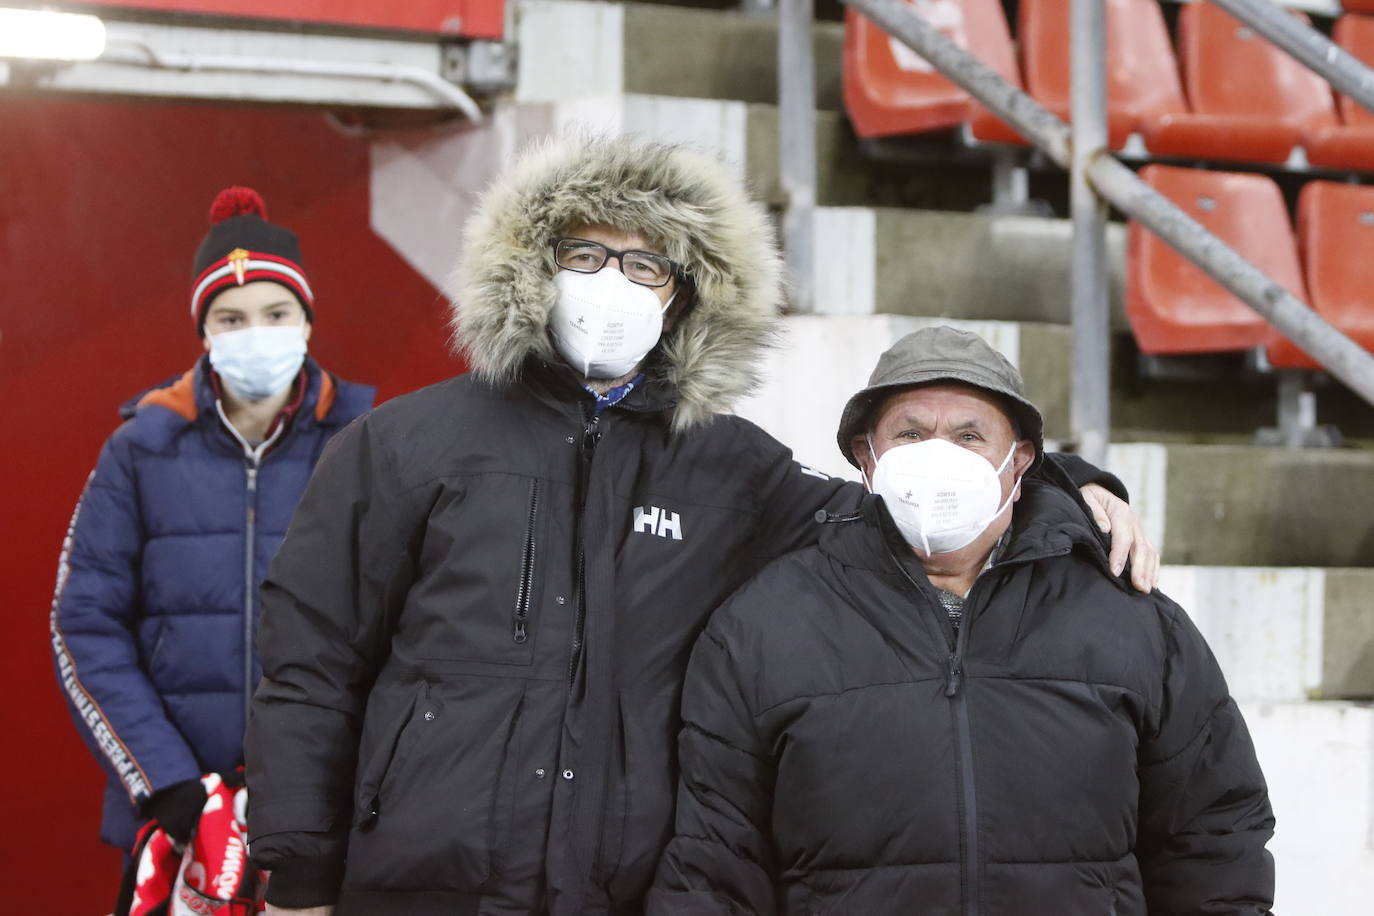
[[1250, 100], [1358, 6], [1142, 77], [1174, 307], [1349, 145], [890, 90], [1335, 237]]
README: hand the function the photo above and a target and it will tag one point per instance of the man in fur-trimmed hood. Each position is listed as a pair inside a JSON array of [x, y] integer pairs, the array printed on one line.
[[475, 634]]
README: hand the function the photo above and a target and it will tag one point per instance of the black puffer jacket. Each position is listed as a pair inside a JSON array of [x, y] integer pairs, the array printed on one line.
[[1075, 751], [493, 712]]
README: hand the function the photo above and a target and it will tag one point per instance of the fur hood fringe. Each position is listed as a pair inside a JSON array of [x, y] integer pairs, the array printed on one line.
[[690, 204]]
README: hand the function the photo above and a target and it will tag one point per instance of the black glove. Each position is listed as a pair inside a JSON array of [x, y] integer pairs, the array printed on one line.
[[177, 808]]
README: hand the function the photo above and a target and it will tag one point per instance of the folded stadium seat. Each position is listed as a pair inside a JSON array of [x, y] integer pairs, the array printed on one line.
[[1250, 101], [1174, 307], [1335, 237], [891, 90], [1142, 76], [1349, 145]]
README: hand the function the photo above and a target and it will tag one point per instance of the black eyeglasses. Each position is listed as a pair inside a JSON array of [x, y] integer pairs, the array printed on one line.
[[587, 257]]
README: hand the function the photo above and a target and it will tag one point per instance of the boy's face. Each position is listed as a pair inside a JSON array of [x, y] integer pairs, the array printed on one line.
[[260, 303]]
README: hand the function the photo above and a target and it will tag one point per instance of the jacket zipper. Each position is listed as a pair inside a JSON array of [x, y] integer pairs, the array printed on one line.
[[954, 681], [252, 525], [591, 435], [252, 459], [972, 892], [522, 595], [954, 690]]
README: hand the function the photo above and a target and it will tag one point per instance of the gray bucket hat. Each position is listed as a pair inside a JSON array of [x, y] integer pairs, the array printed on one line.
[[942, 354]]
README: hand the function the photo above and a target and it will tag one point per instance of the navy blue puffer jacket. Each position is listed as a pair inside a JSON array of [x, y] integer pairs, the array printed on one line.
[[157, 592]]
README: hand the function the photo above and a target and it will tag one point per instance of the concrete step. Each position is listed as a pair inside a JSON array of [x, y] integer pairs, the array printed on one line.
[[955, 265], [1237, 505], [1283, 634], [1318, 758], [575, 49]]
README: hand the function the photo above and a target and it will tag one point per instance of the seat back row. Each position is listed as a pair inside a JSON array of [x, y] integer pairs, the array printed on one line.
[[1175, 308], [1229, 95]]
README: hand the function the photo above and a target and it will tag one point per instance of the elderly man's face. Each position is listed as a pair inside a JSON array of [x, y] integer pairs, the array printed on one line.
[[969, 417]]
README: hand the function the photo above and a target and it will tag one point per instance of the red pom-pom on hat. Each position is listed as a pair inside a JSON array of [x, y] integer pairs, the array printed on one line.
[[237, 201]]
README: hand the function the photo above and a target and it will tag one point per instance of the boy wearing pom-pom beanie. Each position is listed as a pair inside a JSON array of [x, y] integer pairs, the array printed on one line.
[[156, 604]]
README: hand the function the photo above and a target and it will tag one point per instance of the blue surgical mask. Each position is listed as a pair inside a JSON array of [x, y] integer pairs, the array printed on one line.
[[259, 362]]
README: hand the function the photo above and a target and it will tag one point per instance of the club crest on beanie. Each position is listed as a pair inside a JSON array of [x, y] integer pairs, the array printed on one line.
[[242, 246]]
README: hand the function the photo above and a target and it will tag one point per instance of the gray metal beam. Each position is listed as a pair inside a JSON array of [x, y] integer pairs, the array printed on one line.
[[1090, 401], [227, 64], [797, 148]]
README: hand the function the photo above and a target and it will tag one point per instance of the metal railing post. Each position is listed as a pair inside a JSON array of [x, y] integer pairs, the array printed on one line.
[[797, 148], [1090, 405]]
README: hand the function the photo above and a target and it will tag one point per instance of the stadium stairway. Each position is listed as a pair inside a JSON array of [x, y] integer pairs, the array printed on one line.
[[1271, 551]]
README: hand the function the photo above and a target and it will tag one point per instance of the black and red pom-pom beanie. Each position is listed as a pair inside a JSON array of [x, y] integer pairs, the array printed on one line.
[[242, 246]]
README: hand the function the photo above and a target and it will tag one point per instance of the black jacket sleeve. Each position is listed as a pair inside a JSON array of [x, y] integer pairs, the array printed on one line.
[[792, 494], [329, 603], [720, 861], [1204, 807]]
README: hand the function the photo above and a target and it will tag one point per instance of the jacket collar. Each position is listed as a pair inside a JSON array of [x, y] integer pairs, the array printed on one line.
[[161, 412], [557, 384], [1047, 521]]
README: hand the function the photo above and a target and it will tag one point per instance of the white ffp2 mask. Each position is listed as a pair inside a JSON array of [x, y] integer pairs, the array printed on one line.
[[259, 362], [940, 495], [603, 324]]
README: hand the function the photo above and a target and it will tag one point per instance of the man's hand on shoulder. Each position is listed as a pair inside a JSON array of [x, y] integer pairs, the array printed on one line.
[[308, 911], [1115, 517]]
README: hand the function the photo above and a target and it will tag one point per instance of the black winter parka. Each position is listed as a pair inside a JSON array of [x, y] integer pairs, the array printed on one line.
[[1074, 752], [474, 638]]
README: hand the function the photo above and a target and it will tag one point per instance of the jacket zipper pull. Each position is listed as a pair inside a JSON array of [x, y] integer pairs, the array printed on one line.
[[954, 676], [520, 633]]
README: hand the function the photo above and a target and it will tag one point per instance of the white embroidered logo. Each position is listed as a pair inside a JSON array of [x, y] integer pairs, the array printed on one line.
[[661, 522]]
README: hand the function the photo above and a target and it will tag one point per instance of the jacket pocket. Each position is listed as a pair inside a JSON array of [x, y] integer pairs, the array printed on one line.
[[388, 745], [434, 802], [529, 553], [480, 573]]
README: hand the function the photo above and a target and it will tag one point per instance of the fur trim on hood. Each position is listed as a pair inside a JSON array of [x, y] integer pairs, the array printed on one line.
[[689, 204]]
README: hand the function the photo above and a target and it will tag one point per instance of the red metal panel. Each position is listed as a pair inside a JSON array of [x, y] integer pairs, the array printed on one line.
[[469, 18], [102, 205]]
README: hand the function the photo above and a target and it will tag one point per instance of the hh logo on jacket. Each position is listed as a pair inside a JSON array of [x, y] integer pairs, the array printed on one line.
[[660, 522]]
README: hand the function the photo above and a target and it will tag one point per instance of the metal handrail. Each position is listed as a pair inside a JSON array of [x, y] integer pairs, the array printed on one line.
[[1343, 358]]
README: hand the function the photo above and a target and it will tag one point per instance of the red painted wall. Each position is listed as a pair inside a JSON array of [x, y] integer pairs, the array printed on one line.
[[470, 18], [102, 205]]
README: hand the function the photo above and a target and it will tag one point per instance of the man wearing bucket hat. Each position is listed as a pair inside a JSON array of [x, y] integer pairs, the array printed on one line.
[[950, 704]]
